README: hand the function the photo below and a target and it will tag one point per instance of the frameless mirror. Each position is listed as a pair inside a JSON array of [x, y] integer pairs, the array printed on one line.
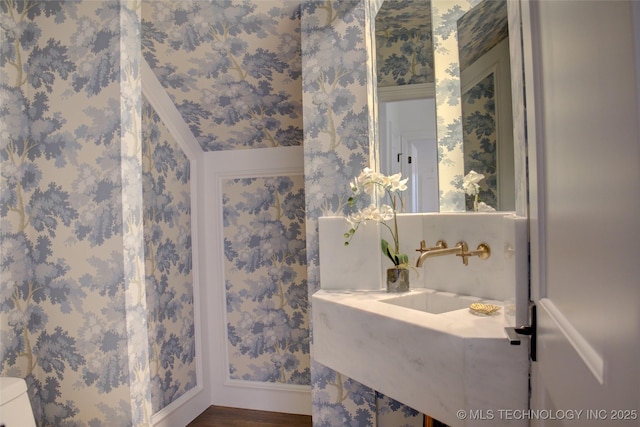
[[485, 87], [406, 99], [445, 100]]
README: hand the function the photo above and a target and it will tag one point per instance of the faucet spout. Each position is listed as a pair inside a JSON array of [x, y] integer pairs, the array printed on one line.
[[440, 249]]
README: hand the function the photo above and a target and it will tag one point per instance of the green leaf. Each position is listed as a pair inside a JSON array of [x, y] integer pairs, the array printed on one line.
[[384, 245], [390, 253]]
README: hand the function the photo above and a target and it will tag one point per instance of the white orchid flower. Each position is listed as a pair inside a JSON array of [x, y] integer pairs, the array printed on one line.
[[470, 183], [368, 182], [370, 213], [386, 212], [397, 183]]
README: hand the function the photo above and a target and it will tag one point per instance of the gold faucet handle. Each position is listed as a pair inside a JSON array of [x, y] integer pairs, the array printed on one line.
[[483, 252], [440, 244], [464, 252]]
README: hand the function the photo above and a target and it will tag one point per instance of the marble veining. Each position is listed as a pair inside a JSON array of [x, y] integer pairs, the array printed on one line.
[[435, 363], [425, 347], [502, 277]]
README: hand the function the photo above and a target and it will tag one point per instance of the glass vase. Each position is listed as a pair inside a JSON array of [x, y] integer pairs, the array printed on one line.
[[397, 280]]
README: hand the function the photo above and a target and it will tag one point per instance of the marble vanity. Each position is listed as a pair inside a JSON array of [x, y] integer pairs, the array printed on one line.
[[426, 348]]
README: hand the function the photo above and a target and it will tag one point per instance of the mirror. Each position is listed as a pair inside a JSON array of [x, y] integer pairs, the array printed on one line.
[[466, 78], [485, 87], [406, 99]]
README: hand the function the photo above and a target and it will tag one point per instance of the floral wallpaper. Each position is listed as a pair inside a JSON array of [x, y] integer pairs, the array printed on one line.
[[72, 303], [265, 271], [336, 147], [483, 27], [232, 69], [166, 188], [391, 413], [479, 137], [403, 43], [445, 14], [479, 30], [136, 310], [337, 130], [95, 302]]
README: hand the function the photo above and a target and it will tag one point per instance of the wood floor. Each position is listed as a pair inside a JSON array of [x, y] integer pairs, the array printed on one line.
[[220, 416]]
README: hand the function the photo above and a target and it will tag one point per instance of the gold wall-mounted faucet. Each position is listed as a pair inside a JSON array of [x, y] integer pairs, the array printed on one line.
[[483, 251], [461, 249]]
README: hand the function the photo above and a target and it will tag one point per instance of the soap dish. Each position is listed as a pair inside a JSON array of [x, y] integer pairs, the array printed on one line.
[[483, 309]]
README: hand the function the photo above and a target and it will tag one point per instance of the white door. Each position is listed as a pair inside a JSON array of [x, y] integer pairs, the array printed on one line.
[[409, 146], [584, 153], [419, 161]]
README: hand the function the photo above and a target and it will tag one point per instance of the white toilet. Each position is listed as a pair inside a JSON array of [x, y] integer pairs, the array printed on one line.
[[15, 407]]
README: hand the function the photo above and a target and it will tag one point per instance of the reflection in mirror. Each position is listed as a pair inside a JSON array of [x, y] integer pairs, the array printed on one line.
[[485, 83], [436, 154], [406, 96], [479, 63]]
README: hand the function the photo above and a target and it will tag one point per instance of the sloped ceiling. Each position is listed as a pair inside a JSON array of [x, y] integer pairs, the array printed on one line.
[[403, 43], [399, 15], [232, 68], [480, 29]]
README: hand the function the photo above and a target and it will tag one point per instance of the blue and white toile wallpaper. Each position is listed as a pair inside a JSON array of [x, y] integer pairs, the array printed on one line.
[[232, 68], [336, 147], [445, 14], [337, 129], [479, 137], [72, 304], [166, 179], [265, 271], [404, 50], [485, 25], [479, 30], [96, 301]]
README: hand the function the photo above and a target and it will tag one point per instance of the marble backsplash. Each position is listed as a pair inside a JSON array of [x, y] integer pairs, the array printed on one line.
[[503, 276]]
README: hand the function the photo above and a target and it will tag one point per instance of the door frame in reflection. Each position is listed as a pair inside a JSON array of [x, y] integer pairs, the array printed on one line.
[[408, 143]]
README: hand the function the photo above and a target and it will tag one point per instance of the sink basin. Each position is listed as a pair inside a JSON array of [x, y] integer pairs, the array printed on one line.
[[423, 348], [432, 302]]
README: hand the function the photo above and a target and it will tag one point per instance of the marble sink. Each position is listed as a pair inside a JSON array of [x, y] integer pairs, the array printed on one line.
[[432, 301], [424, 348]]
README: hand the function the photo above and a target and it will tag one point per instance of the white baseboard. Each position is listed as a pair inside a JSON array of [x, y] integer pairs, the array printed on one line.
[[290, 399], [183, 410]]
